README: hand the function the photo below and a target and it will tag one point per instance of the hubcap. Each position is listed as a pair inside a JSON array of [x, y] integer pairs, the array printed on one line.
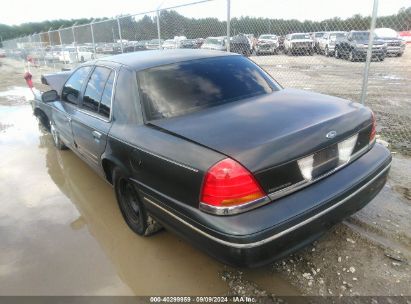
[[131, 201]]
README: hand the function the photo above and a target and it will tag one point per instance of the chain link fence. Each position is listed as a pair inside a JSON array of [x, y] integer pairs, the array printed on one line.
[[327, 56]]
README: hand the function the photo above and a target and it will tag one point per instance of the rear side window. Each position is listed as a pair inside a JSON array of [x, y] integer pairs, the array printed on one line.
[[105, 103], [185, 87], [72, 88], [97, 97]]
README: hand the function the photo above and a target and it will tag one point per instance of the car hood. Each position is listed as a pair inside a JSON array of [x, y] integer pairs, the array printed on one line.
[[365, 41], [265, 131]]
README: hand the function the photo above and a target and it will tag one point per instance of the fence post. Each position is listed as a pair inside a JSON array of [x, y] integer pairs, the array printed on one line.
[[158, 29], [92, 36], [119, 34], [369, 52], [228, 25], [42, 50], [74, 40]]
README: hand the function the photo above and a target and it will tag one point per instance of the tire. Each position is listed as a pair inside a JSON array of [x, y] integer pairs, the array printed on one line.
[[131, 207], [56, 137], [351, 56], [337, 54], [399, 54], [381, 58]]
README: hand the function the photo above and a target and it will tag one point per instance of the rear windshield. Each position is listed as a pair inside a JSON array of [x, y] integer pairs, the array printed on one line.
[[176, 89]]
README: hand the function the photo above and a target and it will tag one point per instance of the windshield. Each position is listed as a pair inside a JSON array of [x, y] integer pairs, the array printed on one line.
[[176, 89], [218, 41], [268, 37], [300, 36], [337, 35], [361, 35]]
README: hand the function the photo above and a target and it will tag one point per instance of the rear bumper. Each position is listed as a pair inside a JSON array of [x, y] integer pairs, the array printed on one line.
[[270, 232]]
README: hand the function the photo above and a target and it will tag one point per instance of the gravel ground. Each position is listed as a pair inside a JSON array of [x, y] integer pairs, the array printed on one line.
[[367, 254]]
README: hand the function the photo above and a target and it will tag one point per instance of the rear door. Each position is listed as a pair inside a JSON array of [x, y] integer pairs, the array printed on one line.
[[91, 122], [64, 109]]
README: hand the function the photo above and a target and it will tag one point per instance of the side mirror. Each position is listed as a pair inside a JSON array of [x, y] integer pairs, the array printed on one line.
[[49, 96]]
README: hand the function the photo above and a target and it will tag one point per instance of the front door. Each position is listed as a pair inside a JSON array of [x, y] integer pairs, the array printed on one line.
[[64, 109], [92, 120]]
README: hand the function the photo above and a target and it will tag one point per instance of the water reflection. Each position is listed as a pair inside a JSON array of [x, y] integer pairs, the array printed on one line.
[[161, 264]]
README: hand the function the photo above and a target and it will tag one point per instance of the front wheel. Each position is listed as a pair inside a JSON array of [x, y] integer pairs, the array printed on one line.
[[337, 54], [132, 209], [56, 137], [351, 56]]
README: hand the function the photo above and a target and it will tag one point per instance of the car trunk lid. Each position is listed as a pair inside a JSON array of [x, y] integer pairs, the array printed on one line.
[[268, 131]]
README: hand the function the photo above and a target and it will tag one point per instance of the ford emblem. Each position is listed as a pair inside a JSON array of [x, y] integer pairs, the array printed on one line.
[[331, 134]]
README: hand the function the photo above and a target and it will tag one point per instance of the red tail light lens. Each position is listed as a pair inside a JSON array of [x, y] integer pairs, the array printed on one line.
[[373, 128], [227, 183]]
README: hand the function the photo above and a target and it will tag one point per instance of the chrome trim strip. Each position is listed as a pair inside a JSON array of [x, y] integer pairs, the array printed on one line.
[[305, 183], [275, 236], [156, 155], [234, 209]]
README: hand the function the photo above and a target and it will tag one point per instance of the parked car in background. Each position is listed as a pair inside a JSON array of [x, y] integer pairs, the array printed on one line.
[[154, 44], [355, 45], [134, 46], [298, 43], [395, 44], [189, 44], [252, 42], [76, 54], [327, 43], [53, 53], [246, 200], [2, 53], [240, 44], [406, 36], [170, 44], [267, 44], [316, 36], [215, 43]]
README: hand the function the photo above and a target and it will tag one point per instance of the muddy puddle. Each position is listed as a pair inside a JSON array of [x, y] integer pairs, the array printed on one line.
[[62, 233]]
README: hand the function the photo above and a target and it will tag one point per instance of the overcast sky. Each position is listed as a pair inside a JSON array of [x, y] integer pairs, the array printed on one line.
[[39, 10]]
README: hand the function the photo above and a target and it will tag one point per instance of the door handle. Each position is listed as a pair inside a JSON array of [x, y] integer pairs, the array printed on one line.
[[96, 134]]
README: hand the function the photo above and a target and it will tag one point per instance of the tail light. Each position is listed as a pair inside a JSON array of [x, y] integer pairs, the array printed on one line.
[[229, 184], [373, 128]]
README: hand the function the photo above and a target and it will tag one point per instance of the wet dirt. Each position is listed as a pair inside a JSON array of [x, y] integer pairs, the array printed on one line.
[[62, 234]]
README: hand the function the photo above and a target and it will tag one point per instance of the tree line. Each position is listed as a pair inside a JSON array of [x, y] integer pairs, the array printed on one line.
[[173, 24]]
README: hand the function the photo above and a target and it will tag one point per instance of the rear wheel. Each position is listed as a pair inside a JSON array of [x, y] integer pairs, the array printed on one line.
[[56, 137], [132, 209]]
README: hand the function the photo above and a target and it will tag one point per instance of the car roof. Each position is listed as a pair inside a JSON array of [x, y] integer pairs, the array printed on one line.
[[143, 60]]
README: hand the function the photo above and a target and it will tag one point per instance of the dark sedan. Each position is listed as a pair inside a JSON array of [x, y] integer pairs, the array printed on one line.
[[208, 145]]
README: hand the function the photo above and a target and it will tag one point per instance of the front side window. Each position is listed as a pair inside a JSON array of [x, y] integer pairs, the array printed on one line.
[[72, 88], [177, 89]]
